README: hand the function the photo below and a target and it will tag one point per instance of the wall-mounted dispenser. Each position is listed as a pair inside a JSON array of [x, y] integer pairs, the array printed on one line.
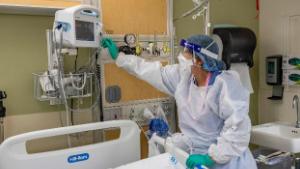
[[274, 70], [274, 76], [237, 45]]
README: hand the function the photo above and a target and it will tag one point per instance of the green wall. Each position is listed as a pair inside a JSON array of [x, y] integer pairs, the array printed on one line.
[[23, 51], [238, 12]]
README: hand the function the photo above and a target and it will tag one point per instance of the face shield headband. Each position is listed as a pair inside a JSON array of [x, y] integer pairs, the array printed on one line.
[[198, 49]]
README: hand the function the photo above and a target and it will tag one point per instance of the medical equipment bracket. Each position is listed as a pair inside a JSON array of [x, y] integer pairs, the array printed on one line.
[[79, 85], [168, 38], [57, 86], [123, 109]]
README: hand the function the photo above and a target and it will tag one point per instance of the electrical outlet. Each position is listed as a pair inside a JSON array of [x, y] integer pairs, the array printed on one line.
[[113, 114]]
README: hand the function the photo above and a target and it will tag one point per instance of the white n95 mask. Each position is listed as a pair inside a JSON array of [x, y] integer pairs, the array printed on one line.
[[183, 62], [185, 66]]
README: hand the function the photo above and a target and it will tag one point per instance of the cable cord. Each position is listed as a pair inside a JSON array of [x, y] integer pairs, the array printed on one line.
[[75, 62], [83, 84], [61, 77], [97, 71], [61, 85]]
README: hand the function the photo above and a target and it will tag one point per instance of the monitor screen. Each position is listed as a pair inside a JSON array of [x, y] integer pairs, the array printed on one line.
[[271, 67], [84, 31]]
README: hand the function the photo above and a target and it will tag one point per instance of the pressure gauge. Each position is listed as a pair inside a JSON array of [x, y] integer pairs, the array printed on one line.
[[130, 39]]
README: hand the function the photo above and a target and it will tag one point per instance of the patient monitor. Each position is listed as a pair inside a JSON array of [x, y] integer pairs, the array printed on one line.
[[78, 26]]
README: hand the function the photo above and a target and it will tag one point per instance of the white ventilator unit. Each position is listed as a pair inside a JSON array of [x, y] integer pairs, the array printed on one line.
[[78, 26]]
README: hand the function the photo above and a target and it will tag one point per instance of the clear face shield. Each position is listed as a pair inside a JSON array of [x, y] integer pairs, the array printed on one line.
[[197, 52], [189, 49], [194, 48]]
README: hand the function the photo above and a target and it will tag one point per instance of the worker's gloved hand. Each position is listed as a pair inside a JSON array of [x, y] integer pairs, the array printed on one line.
[[112, 47], [158, 126], [198, 160]]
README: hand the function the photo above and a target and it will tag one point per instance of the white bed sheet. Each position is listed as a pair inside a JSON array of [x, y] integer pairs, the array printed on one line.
[[162, 161]]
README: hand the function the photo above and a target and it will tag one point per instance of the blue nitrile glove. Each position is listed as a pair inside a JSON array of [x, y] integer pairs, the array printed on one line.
[[112, 47], [198, 159], [158, 126]]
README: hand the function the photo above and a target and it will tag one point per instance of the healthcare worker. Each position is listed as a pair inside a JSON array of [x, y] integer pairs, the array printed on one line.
[[212, 104]]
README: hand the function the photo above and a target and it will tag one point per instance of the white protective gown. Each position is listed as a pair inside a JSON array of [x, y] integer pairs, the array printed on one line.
[[215, 118]]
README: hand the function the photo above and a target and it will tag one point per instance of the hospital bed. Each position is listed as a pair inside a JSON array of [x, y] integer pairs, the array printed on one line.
[[122, 153]]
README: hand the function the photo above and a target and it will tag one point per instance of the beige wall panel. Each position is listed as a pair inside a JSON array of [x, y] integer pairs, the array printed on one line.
[[135, 16], [132, 88]]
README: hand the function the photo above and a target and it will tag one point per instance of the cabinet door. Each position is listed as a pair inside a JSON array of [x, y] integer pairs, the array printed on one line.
[[135, 16], [42, 3], [132, 88]]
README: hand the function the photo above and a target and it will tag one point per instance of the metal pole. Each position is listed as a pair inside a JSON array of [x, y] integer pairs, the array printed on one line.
[[207, 18], [51, 62], [171, 31]]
